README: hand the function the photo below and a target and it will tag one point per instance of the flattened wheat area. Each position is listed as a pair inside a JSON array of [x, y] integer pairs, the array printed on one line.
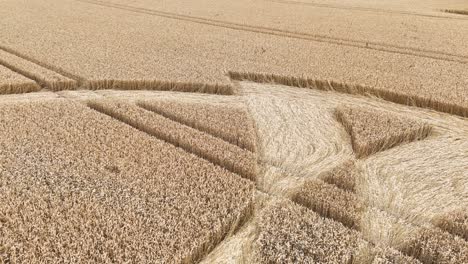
[[249, 131]]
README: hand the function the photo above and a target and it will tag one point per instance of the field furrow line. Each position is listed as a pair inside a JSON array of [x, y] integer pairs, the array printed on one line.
[[22, 73], [363, 9], [230, 124], [147, 107], [44, 77], [215, 150], [290, 34], [12, 81], [158, 85], [56, 79], [79, 80]]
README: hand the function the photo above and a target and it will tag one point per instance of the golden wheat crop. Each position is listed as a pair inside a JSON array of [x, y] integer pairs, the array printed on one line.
[[399, 188], [27, 97], [148, 84], [12, 82], [79, 186], [327, 20], [435, 246], [455, 222], [389, 256], [331, 201], [229, 123], [177, 132], [212, 148], [186, 57], [290, 233], [425, 98], [372, 131], [408, 184], [49, 79], [343, 176]]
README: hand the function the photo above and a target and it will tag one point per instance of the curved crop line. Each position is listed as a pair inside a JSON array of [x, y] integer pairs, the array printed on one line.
[[327, 85], [364, 9], [291, 34]]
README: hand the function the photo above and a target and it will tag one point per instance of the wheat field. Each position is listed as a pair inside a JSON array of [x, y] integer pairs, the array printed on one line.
[[250, 131], [12, 82]]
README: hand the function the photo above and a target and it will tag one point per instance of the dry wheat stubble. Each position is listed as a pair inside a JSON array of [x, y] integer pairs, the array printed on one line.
[[79, 186]]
